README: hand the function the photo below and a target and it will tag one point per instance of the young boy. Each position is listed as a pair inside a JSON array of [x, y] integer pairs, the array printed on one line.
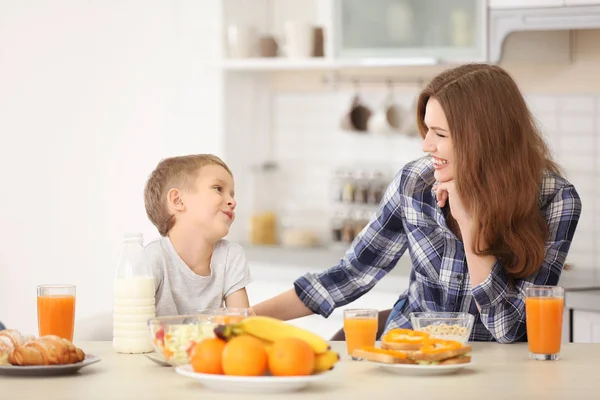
[[190, 200]]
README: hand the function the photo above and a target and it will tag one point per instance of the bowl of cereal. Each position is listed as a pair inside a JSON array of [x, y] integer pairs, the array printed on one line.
[[175, 336], [444, 325]]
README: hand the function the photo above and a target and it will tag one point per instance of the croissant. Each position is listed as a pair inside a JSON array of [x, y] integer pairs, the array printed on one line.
[[46, 350], [9, 340]]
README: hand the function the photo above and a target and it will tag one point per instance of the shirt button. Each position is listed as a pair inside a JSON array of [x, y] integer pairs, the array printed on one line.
[[459, 277]]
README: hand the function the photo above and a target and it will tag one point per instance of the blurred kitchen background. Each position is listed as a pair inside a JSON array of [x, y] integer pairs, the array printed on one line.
[[310, 102]]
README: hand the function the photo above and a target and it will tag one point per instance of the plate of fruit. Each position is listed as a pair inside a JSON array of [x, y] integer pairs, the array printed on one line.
[[260, 355]]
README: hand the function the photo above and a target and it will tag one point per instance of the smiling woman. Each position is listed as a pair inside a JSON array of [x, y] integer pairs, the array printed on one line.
[[485, 214]]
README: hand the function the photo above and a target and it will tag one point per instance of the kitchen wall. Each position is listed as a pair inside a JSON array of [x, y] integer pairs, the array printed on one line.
[[309, 144], [92, 95]]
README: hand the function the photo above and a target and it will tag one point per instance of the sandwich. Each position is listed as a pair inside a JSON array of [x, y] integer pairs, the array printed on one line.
[[442, 352], [385, 356], [430, 352]]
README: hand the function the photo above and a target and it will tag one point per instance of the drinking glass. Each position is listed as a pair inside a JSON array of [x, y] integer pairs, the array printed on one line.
[[56, 310], [544, 307], [360, 328]]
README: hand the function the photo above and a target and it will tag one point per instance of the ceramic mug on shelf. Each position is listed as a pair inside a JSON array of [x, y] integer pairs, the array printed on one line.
[[357, 118], [242, 41], [299, 39], [387, 119]]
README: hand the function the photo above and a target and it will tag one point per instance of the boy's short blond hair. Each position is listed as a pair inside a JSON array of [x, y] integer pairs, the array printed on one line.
[[173, 172]]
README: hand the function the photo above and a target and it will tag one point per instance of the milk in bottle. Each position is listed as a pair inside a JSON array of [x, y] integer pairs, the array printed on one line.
[[133, 295]]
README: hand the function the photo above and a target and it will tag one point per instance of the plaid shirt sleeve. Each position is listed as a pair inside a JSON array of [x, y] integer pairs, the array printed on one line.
[[373, 253], [502, 308]]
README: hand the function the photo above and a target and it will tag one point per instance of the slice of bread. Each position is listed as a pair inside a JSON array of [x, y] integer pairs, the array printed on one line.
[[420, 356], [450, 361], [381, 356], [456, 360], [400, 346]]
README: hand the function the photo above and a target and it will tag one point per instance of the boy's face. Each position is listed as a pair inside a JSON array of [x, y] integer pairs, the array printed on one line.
[[209, 202]]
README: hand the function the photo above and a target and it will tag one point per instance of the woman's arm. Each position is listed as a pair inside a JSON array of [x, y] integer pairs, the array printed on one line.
[[373, 253], [284, 306], [502, 308]]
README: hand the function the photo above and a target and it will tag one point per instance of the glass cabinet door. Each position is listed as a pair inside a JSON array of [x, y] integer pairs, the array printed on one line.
[[452, 30]]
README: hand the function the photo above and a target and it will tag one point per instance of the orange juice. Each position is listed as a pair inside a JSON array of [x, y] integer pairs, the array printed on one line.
[[544, 324], [360, 332], [56, 315]]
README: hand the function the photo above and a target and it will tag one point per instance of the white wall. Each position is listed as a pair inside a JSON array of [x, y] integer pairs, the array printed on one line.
[[92, 94]]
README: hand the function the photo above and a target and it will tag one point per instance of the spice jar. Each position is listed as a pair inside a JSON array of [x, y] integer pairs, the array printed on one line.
[[338, 185], [348, 188], [376, 187], [361, 191], [337, 226], [347, 229]]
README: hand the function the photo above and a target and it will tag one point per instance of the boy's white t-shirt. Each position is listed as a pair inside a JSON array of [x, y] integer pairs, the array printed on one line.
[[180, 291]]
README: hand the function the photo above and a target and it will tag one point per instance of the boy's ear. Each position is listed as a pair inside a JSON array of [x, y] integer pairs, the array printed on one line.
[[174, 200]]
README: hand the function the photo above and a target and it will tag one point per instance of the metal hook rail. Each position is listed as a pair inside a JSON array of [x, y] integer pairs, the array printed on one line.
[[335, 79]]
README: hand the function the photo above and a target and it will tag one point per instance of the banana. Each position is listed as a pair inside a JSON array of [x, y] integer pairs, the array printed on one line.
[[326, 361], [228, 332], [271, 329]]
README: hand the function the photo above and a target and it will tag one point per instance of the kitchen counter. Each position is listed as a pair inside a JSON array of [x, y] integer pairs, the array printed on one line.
[[499, 372], [588, 300], [289, 263]]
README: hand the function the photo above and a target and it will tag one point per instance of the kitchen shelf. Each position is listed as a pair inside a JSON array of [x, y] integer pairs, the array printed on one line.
[[284, 64]]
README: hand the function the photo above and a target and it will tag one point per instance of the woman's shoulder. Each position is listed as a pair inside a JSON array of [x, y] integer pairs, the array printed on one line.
[[416, 176], [552, 184]]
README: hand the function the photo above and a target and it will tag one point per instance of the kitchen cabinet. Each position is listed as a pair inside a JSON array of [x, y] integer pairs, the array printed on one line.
[[585, 315], [452, 30], [526, 3], [582, 2], [586, 326]]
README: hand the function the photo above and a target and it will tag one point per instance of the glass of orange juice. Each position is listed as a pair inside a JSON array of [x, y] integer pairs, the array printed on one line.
[[544, 307], [360, 328], [56, 310]]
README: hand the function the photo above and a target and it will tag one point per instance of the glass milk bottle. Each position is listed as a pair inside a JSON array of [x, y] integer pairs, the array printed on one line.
[[133, 295]]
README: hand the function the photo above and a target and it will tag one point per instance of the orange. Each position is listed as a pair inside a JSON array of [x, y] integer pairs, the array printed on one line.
[[207, 356], [245, 356], [291, 357]]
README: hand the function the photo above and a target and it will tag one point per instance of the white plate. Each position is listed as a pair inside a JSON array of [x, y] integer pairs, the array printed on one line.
[[416, 369], [250, 384], [157, 358], [48, 370]]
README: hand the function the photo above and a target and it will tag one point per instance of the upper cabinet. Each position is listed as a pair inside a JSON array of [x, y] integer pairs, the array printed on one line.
[[582, 2], [528, 3], [265, 35], [452, 30], [540, 3]]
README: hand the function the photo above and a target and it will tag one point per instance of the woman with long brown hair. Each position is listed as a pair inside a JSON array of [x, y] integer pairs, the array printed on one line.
[[485, 214]]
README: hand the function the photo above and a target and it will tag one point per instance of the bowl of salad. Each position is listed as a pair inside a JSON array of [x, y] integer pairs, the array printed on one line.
[[174, 337]]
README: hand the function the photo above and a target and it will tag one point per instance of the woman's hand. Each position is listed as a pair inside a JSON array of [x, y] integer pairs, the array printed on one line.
[[446, 192]]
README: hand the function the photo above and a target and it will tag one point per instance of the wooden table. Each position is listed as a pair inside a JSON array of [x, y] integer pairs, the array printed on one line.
[[500, 372]]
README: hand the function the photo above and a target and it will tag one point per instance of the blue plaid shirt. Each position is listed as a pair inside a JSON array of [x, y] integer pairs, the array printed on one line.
[[409, 218]]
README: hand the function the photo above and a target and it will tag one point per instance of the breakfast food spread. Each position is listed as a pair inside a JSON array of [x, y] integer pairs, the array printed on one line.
[[19, 350], [259, 345], [405, 346]]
